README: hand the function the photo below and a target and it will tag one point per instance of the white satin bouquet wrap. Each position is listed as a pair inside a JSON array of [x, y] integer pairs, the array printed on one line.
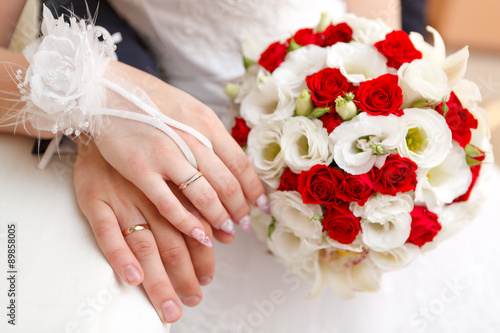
[[71, 86]]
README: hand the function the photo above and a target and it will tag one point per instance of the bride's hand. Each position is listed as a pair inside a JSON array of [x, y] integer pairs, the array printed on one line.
[[162, 259], [148, 158]]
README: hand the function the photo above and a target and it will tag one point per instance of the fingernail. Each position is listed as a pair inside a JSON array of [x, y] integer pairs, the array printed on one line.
[[191, 300], [246, 224], [171, 311], [204, 280], [201, 237], [263, 204], [132, 275], [228, 227]]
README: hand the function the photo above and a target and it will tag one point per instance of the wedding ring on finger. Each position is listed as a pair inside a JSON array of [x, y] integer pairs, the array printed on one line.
[[136, 227], [190, 180]]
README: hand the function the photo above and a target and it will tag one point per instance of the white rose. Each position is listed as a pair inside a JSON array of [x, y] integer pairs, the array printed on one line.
[[385, 220], [305, 143], [298, 64], [267, 101], [366, 141], [446, 182], [454, 65], [428, 139], [422, 80], [265, 152], [366, 31], [396, 258], [288, 208], [356, 61]]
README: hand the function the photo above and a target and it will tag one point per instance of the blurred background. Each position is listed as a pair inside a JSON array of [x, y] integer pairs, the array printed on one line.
[[460, 22]]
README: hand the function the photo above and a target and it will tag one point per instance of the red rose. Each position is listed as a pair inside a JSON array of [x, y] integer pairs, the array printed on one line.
[[326, 85], [424, 226], [330, 121], [355, 189], [398, 49], [397, 175], [381, 96], [289, 181], [475, 173], [320, 184], [340, 223], [459, 120], [340, 33], [307, 37], [271, 58], [240, 131]]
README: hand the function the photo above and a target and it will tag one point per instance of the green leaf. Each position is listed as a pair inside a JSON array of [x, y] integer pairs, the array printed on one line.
[[420, 104], [248, 62], [271, 227], [317, 218], [293, 45], [445, 108]]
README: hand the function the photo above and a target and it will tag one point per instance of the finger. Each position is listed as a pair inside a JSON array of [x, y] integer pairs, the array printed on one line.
[[156, 282], [237, 162], [176, 259], [224, 183], [201, 194], [110, 239], [155, 188]]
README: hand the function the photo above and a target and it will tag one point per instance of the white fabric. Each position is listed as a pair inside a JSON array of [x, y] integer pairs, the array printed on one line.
[[452, 289]]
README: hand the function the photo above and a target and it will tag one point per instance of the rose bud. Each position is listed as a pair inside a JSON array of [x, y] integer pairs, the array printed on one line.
[[304, 104], [324, 22], [345, 107], [232, 90]]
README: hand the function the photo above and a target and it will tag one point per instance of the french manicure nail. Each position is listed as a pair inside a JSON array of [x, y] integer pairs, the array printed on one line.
[[132, 275], [228, 227], [263, 204], [201, 237], [170, 311], [246, 224]]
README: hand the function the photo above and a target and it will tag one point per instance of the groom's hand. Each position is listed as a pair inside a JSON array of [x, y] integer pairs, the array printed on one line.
[[167, 263]]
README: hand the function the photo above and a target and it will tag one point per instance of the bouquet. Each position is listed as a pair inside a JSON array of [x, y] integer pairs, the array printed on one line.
[[369, 142]]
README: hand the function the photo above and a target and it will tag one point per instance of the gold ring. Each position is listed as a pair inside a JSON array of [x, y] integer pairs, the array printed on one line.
[[190, 180], [136, 227]]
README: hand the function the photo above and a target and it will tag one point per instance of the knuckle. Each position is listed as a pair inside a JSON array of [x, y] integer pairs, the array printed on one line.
[[165, 206], [116, 255], [159, 288], [188, 287], [143, 248], [101, 229], [205, 198], [230, 188], [240, 166], [172, 256]]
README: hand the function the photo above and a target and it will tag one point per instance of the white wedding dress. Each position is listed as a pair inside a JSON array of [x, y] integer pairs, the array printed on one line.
[[64, 284]]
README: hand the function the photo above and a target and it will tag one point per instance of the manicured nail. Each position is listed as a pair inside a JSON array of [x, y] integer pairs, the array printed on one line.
[[204, 280], [228, 227], [170, 311], [132, 275], [191, 300], [246, 224], [201, 237], [263, 204]]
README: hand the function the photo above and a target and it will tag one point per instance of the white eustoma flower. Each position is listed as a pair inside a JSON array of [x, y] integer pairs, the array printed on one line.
[[454, 65], [365, 141], [253, 77], [481, 136], [467, 92], [423, 80], [298, 65], [396, 258], [444, 183], [269, 100], [260, 223], [288, 208], [265, 152], [428, 139], [385, 220], [356, 61], [366, 31], [305, 143]]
